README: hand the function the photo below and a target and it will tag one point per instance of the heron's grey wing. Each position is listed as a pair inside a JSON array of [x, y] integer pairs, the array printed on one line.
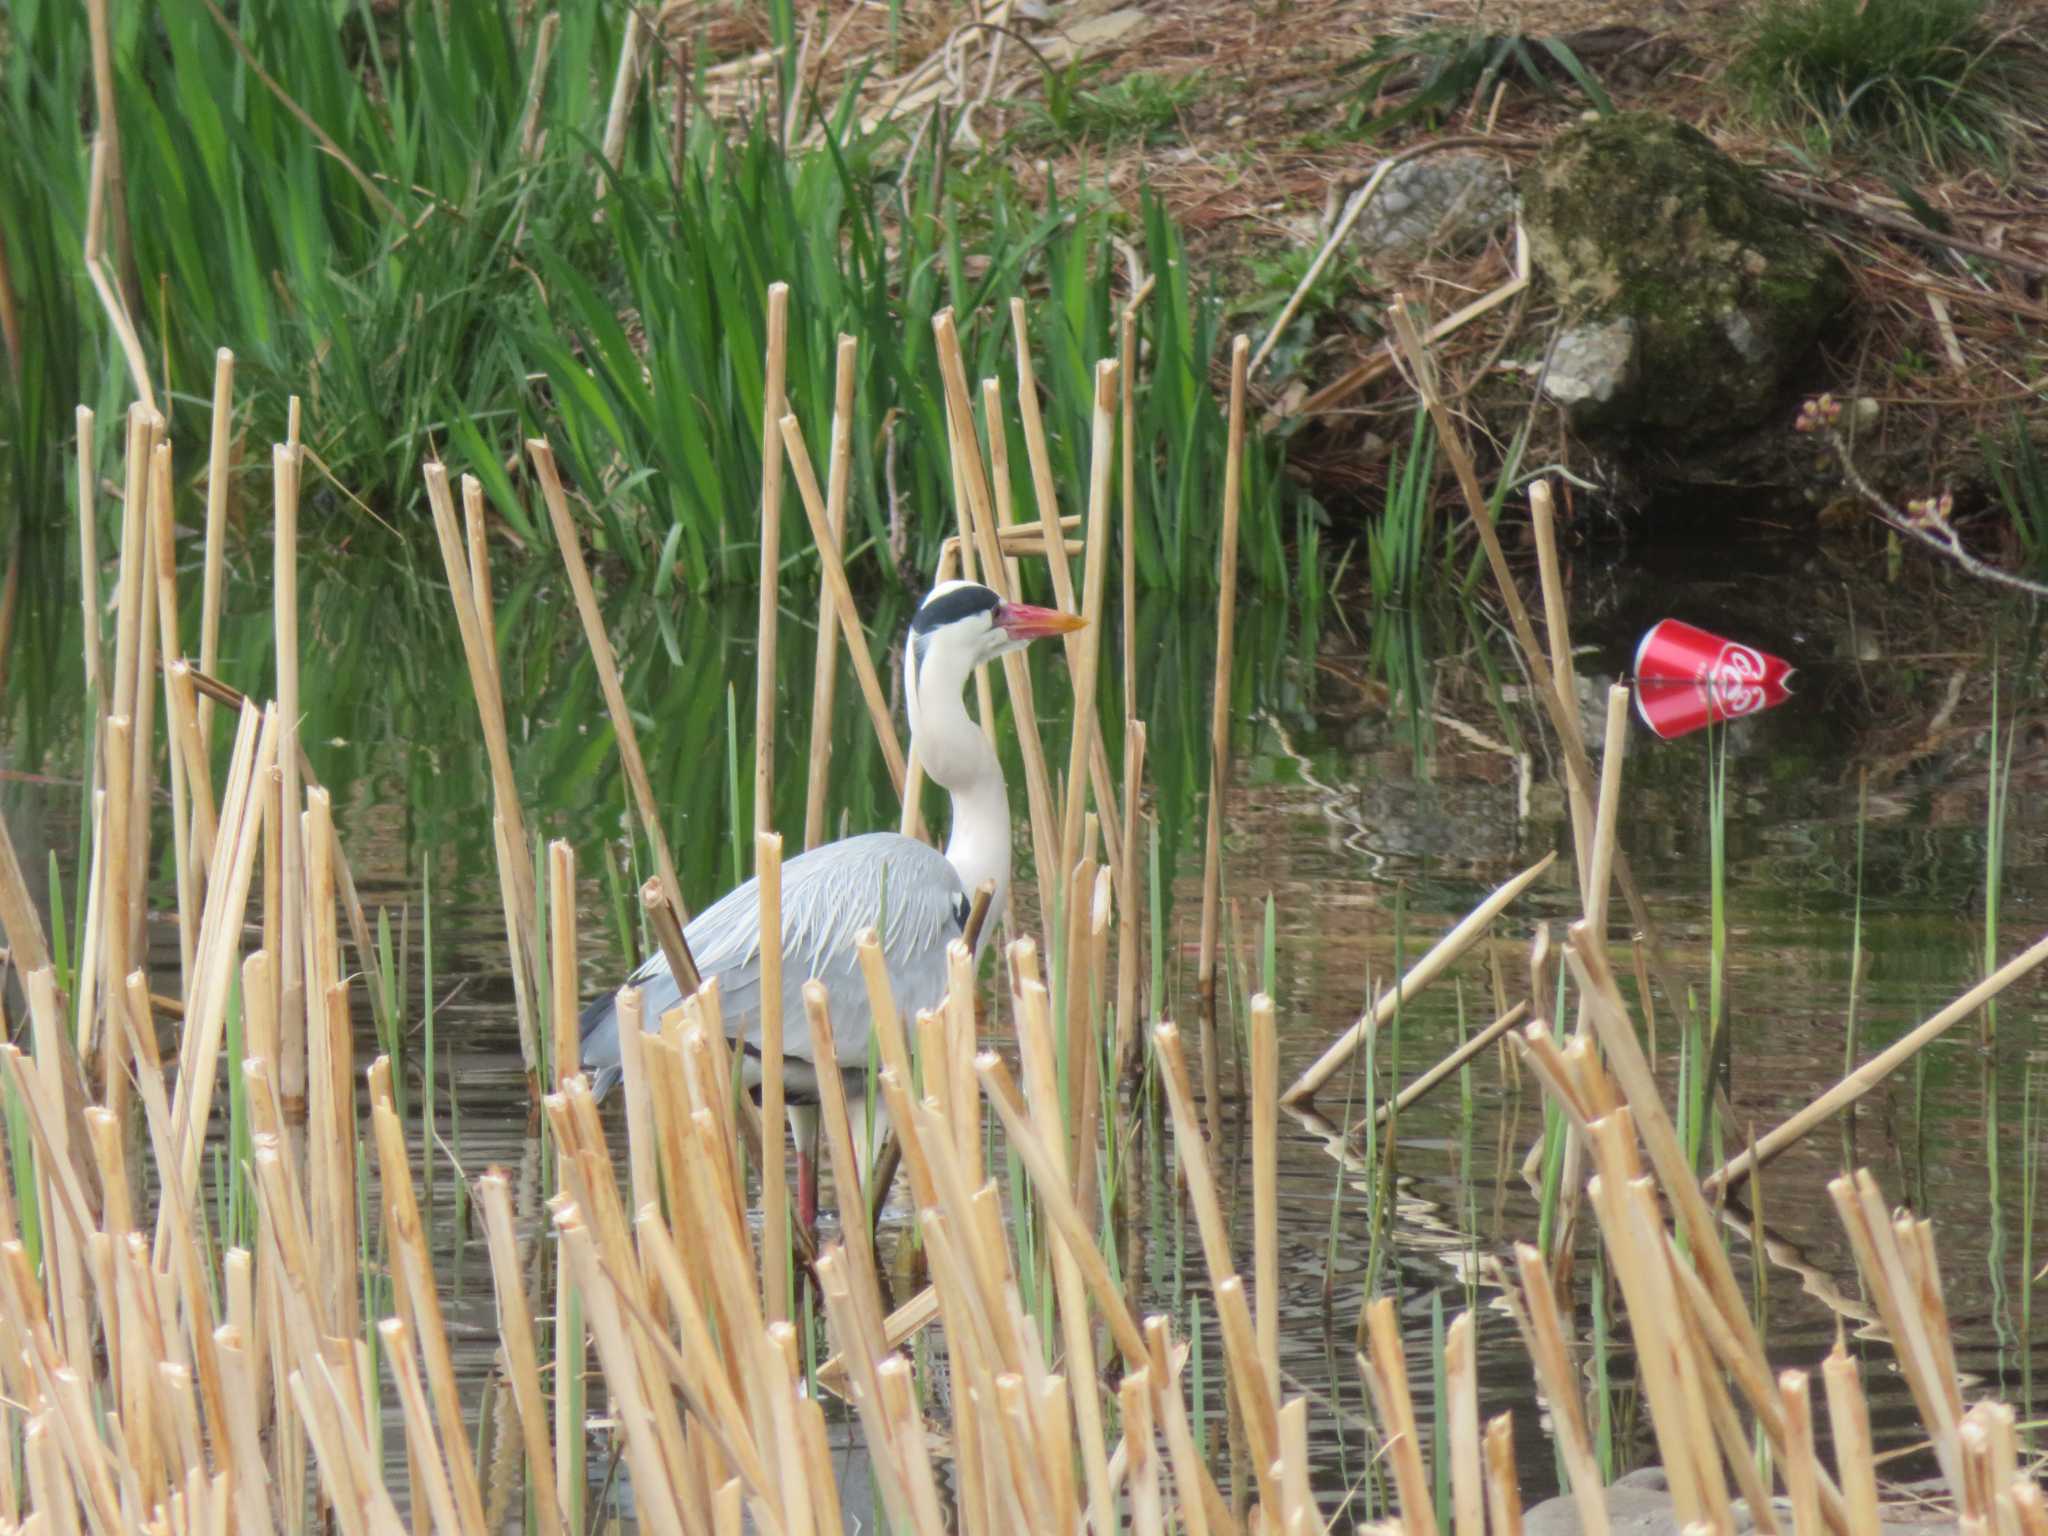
[[897, 885], [599, 1027], [830, 896]]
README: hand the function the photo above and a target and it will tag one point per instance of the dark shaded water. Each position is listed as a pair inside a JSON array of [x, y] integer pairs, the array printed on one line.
[[1372, 826]]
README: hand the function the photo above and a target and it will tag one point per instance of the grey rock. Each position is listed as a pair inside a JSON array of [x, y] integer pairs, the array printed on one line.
[[1639, 217], [1592, 368], [1439, 204]]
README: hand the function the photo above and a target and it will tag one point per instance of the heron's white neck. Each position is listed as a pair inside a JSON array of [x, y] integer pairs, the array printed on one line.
[[958, 756]]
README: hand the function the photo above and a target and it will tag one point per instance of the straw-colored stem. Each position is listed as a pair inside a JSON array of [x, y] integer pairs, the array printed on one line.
[[1503, 1484], [565, 1038], [516, 1331], [291, 1019], [598, 639], [825, 667], [1849, 1423], [773, 409], [1085, 674], [516, 879], [1440, 957], [1059, 1205], [1461, 1404], [1543, 1337], [217, 466], [1265, 1106], [818, 513], [1874, 1071], [414, 1270], [774, 1185], [1450, 1064], [419, 1429], [1219, 726]]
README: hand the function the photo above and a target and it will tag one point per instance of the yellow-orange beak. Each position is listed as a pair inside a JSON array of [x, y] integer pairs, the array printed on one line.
[[1021, 621]]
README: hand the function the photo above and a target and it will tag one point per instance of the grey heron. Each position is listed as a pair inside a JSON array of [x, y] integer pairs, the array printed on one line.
[[833, 893]]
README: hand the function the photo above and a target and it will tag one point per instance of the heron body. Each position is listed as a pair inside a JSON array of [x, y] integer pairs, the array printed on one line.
[[916, 898]]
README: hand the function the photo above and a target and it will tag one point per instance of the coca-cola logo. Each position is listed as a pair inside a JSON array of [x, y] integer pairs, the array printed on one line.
[[1736, 680]]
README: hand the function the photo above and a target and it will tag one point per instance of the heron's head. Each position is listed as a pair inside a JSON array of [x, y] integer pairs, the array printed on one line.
[[966, 624]]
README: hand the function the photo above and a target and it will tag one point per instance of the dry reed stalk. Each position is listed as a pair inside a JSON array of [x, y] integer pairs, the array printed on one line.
[[413, 1271], [1543, 1337], [775, 1296], [220, 932], [966, 458], [163, 529], [1203, 1511], [833, 571], [624, 81], [825, 666], [1849, 1425], [64, 1168], [668, 936], [1565, 721], [188, 740], [330, 1080], [142, 423], [430, 1475], [1043, 485], [962, 1044], [564, 1039], [1063, 1215], [1219, 727], [116, 933], [516, 879], [1142, 1469], [1450, 1064], [1193, 1151], [1130, 939], [1085, 672], [89, 595], [656, 1495], [841, 1309], [251, 1511], [599, 642], [516, 1334], [1038, 1051], [1503, 1485], [1918, 1334], [1461, 1411], [188, 1226], [1594, 834], [219, 446], [1800, 1461], [290, 958], [1387, 1374], [773, 409], [1563, 674], [1640, 1274], [995, 425], [28, 949], [1439, 958], [640, 1134], [1874, 1071], [1588, 962], [699, 1368], [1265, 1095]]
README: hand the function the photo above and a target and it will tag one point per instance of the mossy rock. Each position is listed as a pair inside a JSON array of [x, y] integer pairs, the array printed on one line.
[[1639, 218]]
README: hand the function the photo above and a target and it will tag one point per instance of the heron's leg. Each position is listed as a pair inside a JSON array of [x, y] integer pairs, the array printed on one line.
[[803, 1129]]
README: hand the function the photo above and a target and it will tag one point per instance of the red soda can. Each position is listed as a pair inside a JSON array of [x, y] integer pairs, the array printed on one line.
[[1674, 651], [1672, 709]]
